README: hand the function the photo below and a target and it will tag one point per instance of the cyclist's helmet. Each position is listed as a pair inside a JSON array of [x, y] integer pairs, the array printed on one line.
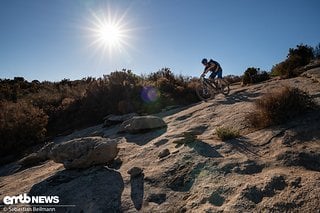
[[204, 61]]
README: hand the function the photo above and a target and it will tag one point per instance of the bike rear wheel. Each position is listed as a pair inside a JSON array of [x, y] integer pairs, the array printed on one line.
[[204, 92]]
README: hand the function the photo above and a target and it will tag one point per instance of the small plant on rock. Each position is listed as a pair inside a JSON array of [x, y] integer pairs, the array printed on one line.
[[227, 133]]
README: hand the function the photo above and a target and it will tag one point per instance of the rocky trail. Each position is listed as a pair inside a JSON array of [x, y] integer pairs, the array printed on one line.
[[185, 167]]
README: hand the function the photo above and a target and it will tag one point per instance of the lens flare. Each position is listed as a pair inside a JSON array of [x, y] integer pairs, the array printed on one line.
[[149, 94]]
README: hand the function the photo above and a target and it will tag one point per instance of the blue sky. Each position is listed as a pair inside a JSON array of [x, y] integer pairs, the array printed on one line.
[[52, 40]]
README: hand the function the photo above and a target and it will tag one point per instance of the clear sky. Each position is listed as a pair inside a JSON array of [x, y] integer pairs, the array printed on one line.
[[56, 39]]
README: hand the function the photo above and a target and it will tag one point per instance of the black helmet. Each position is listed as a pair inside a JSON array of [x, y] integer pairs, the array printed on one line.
[[204, 61]]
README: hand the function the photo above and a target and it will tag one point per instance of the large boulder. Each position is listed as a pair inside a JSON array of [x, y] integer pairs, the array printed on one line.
[[117, 119], [85, 152], [37, 157], [139, 124]]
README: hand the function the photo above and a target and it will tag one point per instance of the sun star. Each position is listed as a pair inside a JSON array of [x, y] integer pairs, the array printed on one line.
[[109, 32]]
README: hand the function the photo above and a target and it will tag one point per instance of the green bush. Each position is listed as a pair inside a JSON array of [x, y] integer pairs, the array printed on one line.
[[21, 125], [279, 106]]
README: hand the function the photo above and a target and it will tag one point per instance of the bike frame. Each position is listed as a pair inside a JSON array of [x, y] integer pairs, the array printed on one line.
[[208, 82], [212, 87]]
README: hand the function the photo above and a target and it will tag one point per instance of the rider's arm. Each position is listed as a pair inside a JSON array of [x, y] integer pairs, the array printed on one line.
[[214, 68], [204, 71]]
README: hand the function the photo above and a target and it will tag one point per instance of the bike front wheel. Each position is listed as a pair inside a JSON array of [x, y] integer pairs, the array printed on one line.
[[204, 92]]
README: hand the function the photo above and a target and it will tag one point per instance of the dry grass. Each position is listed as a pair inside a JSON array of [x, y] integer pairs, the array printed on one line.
[[279, 106], [227, 133]]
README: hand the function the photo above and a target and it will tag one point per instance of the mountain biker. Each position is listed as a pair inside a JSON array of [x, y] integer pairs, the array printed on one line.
[[214, 67]]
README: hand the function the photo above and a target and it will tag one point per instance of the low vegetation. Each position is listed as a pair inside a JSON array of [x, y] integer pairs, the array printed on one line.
[[279, 106], [22, 125], [253, 75], [31, 111], [227, 133], [296, 59]]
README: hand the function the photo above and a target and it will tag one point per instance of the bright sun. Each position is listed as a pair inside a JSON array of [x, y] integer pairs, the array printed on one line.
[[109, 33]]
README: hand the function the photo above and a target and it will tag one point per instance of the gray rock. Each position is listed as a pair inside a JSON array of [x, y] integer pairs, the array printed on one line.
[[117, 119], [139, 124], [164, 153], [85, 152], [45, 150], [313, 74], [37, 157], [135, 171], [30, 160]]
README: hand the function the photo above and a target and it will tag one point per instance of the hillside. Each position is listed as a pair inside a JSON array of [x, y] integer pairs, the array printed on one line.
[[274, 169]]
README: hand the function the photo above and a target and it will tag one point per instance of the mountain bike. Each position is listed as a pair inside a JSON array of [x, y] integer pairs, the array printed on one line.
[[207, 88]]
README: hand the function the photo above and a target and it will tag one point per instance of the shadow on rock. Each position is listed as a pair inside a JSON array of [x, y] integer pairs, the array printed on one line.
[[9, 169], [239, 97], [242, 145], [204, 149], [308, 160], [216, 199], [182, 176], [137, 190], [144, 137], [97, 189]]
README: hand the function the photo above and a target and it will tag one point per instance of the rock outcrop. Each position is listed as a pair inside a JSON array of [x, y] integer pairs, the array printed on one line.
[[85, 152], [139, 124], [314, 74], [117, 119], [37, 157]]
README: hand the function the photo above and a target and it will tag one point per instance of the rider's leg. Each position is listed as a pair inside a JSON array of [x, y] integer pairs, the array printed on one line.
[[219, 74], [212, 76]]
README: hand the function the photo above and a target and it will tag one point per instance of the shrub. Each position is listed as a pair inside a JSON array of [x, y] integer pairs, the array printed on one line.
[[296, 58], [77, 104], [279, 106], [288, 68], [254, 75], [316, 51], [304, 52], [232, 79], [21, 125], [227, 133]]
